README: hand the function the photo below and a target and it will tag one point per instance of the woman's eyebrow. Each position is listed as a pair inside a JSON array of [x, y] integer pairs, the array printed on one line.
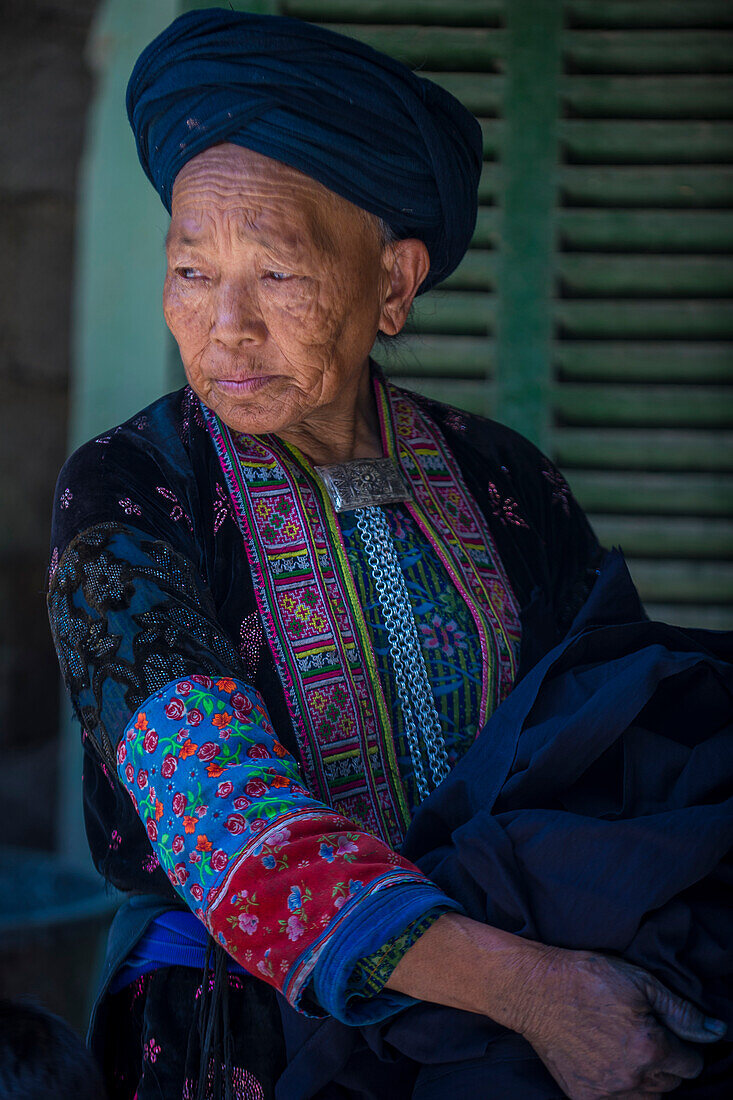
[[288, 245], [277, 239], [181, 237]]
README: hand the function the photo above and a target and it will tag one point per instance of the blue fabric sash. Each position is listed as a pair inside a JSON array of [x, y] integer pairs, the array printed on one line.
[[173, 938]]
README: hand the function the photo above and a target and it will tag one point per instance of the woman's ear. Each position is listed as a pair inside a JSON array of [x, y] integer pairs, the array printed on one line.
[[407, 263]]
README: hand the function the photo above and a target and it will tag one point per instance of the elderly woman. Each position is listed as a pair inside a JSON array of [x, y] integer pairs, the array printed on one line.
[[286, 599]]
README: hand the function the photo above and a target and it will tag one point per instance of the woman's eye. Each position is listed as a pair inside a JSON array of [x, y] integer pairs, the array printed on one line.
[[189, 273], [279, 276]]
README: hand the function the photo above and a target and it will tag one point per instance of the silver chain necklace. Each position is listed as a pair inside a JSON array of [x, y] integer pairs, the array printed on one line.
[[422, 725], [362, 486]]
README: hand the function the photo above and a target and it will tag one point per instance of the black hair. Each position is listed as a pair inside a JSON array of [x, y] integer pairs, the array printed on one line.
[[41, 1056]]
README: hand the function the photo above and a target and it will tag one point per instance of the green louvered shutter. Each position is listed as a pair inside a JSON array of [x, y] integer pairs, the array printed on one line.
[[593, 309], [643, 279]]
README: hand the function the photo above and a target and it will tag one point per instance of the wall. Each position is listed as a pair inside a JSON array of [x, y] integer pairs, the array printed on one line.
[[44, 92]]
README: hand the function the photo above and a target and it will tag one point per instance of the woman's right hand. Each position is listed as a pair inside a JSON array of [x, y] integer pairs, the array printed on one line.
[[605, 1028]]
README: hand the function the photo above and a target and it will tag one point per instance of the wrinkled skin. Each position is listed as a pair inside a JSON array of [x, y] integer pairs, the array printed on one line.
[[625, 1042], [275, 291], [602, 1027]]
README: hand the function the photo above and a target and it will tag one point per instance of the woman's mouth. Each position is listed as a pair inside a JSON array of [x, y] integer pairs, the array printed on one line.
[[243, 385]]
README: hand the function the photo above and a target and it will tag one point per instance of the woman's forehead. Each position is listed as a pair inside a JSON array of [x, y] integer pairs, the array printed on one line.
[[258, 198]]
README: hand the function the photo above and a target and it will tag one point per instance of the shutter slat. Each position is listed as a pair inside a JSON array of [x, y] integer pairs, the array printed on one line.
[[486, 234], [650, 51], [476, 397], [476, 13], [487, 184], [633, 96], [645, 142], [703, 406], [666, 537], [653, 493], [693, 186], [439, 48], [650, 13], [653, 449], [642, 230], [481, 93], [684, 582], [439, 356], [644, 361], [703, 617], [685, 318], [491, 130], [589, 275], [462, 312], [477, 272]]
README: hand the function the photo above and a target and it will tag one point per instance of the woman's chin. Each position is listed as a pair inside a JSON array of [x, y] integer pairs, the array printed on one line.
[[256, 411]]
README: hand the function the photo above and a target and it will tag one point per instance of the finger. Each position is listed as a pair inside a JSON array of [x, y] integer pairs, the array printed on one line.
[[662, 1082], [637, 1095], [682, 1018], [680, 1060]]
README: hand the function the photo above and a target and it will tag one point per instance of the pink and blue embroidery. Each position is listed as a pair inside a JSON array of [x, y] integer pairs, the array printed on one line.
[[506, 509], [560, 489], [177, 512], [180, 760], [265, 866]]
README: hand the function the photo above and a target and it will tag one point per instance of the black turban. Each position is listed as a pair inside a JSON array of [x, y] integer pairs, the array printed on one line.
[[357, 121]]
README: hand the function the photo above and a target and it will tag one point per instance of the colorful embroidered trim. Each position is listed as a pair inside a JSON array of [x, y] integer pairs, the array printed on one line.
[[316, 632], [452, 522], [374, 971], [311, 613]]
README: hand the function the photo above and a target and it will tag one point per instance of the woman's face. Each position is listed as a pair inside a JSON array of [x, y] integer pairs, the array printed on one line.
[[275, 291]]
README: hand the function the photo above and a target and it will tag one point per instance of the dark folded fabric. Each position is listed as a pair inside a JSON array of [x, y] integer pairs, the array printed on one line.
[[595, 810]]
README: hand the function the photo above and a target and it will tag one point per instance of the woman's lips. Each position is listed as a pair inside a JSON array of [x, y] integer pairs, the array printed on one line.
[[243, 385]]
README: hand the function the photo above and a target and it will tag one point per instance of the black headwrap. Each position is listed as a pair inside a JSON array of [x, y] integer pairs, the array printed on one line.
[[357, 121]]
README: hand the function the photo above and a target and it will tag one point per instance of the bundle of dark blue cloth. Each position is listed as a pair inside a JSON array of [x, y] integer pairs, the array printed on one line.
[[356, 120], [595, 811]]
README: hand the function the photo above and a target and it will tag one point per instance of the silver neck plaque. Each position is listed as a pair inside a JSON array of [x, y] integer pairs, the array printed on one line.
[[363, 483]]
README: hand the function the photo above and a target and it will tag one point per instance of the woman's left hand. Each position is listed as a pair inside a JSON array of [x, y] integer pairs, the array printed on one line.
[[603, 1028], [610, 1029]]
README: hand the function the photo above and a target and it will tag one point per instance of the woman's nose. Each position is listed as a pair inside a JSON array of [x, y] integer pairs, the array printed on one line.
[[236, 317]]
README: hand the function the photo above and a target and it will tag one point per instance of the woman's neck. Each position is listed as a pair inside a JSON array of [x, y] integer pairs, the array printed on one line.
[[343, 433]]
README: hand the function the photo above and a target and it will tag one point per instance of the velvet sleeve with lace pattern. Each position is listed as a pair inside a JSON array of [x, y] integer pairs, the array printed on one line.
[[296, 893]]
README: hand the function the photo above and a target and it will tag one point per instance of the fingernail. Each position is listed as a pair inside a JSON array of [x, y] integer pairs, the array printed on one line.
[[716, 1026]]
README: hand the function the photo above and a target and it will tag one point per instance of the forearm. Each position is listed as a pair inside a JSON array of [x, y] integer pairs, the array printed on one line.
[[464, 964], [600, 1025]]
